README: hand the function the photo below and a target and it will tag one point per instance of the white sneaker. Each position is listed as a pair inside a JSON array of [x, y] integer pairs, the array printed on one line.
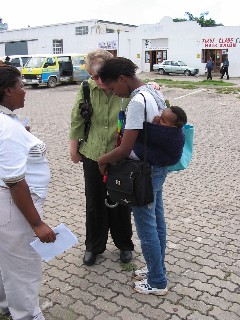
[[136, 283], [145, 288], [39, 316], [140, 274]]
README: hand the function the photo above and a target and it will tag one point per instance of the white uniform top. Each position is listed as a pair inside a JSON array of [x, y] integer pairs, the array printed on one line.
[[22, 155]]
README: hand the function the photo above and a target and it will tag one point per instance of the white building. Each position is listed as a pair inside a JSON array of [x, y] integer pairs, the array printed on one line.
[[144, 44]]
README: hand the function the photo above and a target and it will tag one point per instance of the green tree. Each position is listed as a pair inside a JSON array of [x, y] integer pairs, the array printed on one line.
[[201, 20]]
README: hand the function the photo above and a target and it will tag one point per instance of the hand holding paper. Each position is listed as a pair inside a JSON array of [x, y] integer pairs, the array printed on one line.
[[65, 240]]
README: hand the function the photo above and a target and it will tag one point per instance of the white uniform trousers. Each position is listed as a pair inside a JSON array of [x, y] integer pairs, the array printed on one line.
[[20, 265]]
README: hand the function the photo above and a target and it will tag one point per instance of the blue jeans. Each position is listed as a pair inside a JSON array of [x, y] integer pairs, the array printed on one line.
[[151, 230]]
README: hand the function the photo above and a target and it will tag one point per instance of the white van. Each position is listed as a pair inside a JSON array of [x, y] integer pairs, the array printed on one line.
[[18, 61], [53, 69]]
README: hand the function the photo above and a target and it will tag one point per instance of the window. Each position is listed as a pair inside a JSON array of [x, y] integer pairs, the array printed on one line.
[[147, 56], [35, 62], [109, 30], [57, 46], [25, 60], [50, 62], [16, 62], [80, 31], [164, 55]]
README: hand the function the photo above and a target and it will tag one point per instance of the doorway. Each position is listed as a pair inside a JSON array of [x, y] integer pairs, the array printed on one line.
[[218, 56], [113, 52], [155, 56]]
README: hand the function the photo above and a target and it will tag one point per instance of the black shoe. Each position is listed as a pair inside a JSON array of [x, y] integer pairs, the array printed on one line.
[[89, 258], [125, 256]]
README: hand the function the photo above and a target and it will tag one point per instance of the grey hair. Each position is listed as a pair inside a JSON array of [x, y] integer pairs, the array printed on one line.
[[95, 59]]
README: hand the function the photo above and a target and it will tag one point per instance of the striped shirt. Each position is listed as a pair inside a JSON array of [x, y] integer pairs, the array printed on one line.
[[22, 155]]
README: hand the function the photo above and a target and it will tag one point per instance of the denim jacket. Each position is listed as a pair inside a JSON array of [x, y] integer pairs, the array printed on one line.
[[209, 65]]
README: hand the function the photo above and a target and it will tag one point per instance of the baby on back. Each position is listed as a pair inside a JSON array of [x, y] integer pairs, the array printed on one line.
[[173, 116], [165, 140]]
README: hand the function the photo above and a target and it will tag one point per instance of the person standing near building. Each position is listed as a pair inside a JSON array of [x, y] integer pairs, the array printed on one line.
[[209, 67], [225, 68], [100, 219], [7, 61]]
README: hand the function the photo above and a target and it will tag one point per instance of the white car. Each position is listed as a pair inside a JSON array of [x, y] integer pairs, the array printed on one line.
[[175, 66]]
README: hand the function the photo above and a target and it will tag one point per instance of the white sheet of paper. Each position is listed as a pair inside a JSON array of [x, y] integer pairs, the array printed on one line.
[[65, 240]]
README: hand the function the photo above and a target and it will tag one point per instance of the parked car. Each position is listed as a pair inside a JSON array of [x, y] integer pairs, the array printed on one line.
[[173, 66]]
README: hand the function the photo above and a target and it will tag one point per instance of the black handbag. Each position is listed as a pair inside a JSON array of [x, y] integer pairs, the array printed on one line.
[[129, 182]]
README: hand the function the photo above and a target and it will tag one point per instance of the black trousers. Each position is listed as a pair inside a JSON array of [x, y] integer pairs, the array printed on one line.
[[101, 219], [225, 70], [209, 75]]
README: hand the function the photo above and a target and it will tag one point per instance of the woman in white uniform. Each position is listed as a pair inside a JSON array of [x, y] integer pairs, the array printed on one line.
[[24, 178]]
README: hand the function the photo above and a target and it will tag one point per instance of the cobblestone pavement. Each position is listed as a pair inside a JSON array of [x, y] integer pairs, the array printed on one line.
[[202, 212]]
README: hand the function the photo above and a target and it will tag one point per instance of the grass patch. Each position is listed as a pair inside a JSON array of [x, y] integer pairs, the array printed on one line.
[[227, 275], [128, 266], [222, 86], [228, 90]]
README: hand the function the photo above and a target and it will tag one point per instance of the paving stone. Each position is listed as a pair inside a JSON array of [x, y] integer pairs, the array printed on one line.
[[183, 291], [126, 314], [226, 284], [89, 312], [205, 287], [172, 309], [229, 296], [193, 304], [153, 313], [198, 316], [105, 316], [107, 306], [223, 315], [235, 308], [215, 301], [57, 312]]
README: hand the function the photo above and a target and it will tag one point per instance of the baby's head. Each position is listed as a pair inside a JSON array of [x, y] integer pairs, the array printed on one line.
[[173, 117]]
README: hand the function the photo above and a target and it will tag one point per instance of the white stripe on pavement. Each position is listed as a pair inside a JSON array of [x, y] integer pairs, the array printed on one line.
[[189, 94]]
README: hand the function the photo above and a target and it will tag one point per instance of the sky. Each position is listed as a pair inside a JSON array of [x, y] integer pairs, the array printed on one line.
[[21, 14]]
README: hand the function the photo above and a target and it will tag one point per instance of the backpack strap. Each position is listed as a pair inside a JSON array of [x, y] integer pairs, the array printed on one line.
[[86, 109], [86, 91]]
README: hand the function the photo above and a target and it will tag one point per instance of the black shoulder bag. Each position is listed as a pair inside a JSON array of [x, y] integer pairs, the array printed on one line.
[[86, 110], [129, 182]]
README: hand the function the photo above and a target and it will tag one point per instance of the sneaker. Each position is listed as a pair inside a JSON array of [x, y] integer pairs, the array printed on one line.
[[145, 288], [39, 317], [140, 274], [136, 283]]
